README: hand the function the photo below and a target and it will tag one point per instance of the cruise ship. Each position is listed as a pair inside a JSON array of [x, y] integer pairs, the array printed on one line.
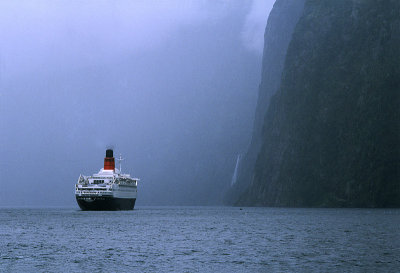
[[109, 189]]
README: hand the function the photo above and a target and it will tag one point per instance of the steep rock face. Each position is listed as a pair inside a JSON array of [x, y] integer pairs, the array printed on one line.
[[331, 133], [278, 33]]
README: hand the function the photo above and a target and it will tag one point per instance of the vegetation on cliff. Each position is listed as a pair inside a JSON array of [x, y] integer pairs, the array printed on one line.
[[332, 131], [278, 34]]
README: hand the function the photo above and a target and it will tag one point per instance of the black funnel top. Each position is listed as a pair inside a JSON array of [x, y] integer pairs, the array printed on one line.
[[109, 153]]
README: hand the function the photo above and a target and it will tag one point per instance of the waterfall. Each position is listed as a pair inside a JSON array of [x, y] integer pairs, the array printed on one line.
[[234, 176]]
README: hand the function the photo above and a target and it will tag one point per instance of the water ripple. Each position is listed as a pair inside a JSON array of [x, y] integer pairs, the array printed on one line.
[[200, 239]]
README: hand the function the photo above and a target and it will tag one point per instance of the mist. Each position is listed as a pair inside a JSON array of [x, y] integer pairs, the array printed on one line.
[[171, 86]]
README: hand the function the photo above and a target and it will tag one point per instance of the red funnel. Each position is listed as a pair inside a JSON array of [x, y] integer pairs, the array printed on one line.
[[109, 162]]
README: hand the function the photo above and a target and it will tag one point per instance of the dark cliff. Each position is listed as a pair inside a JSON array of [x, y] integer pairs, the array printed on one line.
[[331, 133], [278, 33]]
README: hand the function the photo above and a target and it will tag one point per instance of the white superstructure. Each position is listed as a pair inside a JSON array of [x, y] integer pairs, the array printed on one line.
[[109, 183]]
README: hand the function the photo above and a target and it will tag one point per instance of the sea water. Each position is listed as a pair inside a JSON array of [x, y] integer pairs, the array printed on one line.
[[200, 239]]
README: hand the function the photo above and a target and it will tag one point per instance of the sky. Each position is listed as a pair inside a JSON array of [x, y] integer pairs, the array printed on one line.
[[171, 85]]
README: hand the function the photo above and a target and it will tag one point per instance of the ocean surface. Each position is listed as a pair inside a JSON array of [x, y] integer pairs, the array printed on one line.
[[200, 239]]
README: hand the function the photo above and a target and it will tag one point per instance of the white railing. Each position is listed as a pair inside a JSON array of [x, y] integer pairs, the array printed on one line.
[[92, 192]]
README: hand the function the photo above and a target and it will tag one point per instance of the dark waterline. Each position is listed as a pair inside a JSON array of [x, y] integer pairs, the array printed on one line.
[[205, 239]]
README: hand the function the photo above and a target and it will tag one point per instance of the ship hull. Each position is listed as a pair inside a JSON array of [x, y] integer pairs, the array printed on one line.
[[105, 203]]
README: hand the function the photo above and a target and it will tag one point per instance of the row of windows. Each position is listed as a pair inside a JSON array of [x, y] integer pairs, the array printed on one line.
[[98, 181], [91, 189]]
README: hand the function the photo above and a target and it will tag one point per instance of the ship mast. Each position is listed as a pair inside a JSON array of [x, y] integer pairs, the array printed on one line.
[[119, 161]]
